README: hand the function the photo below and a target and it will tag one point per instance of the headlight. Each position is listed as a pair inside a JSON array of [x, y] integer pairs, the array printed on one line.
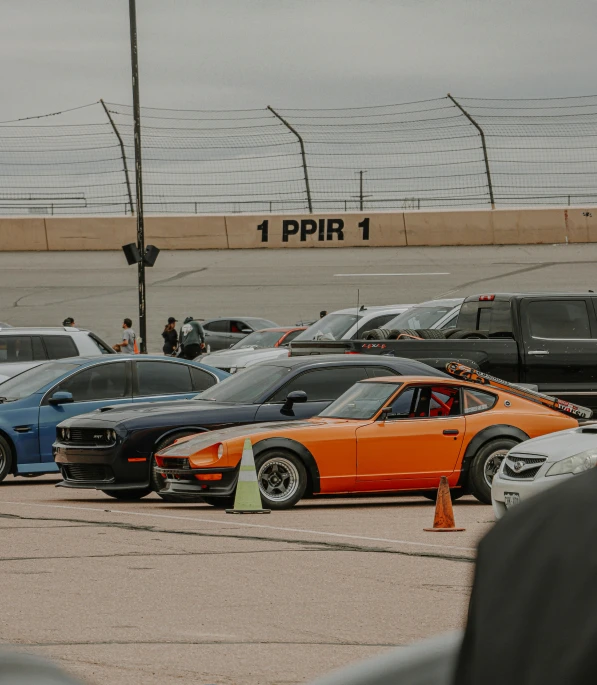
[[220, 451], [111, 435], [575, 464]]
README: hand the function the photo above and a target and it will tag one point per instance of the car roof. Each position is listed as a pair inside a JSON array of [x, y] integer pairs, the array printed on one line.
[[332, 359], [281, 329], [451, 301], [373, 309], [42, 329], [234, 318], [88, 359], [416, 379]]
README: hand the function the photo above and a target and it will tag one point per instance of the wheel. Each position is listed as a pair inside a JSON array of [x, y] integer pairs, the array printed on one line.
[[219, 502], [449, 332], [485, 465], [6, 458], [407, 332], [430, 334], [376, 334], [157, 481], [455, 494], [282, 479], [130, 494], [463, 335]]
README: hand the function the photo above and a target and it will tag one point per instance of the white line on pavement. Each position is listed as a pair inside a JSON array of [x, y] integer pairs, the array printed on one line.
[[435, 273], [219, 522]]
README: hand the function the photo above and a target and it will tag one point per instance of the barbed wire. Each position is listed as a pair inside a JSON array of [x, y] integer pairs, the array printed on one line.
[[415, 155]]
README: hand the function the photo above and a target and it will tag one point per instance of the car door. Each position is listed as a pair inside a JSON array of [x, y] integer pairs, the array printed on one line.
[[419, 441], [162, 380], [560, 346], [217, 334], [93, 387], [322, 386]]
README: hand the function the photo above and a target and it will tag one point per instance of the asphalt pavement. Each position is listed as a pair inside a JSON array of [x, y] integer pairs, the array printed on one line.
[[99, 289], [149, 592]]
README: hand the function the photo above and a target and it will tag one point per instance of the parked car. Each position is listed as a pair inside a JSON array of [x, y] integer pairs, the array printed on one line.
[[349, 324], [539, 464], [260, 346], [35, 401], [223, 332], [547, 340], [124, 467], [384, 434]]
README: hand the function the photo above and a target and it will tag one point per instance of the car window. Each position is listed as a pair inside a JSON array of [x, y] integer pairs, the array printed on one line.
[[100, 382], [331, 327], [100, 344], [375, 322], [450, 323], [426, 401], [419, 317], [239, 326], [361, 401], [374, 371], [60, 346], [491, 316], [291, 336], [17, 348], [477, 400], [201, 379], [218, 326], [39, 354], [322, 384], [162, 378], [559, 319], [246, 387], [259, 339]]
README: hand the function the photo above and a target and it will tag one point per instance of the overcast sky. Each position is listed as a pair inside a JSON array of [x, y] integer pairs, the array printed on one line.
[[215, 54]]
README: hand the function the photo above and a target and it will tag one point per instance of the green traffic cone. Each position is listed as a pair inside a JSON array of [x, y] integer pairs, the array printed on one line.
[[248, 498]]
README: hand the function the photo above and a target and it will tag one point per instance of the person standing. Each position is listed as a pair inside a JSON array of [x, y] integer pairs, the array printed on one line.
[[170, 336], [69, 322], [192, 339], [129, 338]]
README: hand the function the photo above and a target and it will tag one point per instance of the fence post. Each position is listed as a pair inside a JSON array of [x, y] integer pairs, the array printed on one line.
[[301, 143], [126, 170], [485, 157]]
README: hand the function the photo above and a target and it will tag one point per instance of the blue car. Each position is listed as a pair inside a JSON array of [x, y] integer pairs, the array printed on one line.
[[35, 401]]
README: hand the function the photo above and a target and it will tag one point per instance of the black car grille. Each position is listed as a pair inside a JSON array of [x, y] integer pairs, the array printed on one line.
[[176, 463], [525, 473], [87, 472], [85, 436]]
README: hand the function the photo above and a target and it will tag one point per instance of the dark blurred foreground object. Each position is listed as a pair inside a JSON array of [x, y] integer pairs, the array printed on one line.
[[23, 669], [533, 611], [429, 662]]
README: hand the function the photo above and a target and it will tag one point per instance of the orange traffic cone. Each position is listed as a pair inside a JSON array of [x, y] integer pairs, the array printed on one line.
[[444, 516]]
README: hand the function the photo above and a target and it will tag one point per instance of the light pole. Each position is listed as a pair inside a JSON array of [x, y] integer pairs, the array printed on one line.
[[138, 177]]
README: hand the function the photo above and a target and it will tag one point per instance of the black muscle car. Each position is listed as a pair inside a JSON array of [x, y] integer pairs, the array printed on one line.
[[112, 449]]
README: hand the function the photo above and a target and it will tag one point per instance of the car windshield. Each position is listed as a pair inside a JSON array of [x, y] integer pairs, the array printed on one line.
[[33, 380], [331, 327], [259, 339], [362, 401], [246, 387], [419, 317]]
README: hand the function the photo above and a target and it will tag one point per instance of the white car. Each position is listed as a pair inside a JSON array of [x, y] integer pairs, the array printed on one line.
[[538, 464]]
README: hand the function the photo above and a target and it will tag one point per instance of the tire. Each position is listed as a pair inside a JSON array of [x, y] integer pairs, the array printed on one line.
[[464, 335], [374, 334], [132, 494], [155, 479], [430, 334], [6, 458], [485, 465], [282, 479], [393, 335], [449, 332], [455, 494], [219, 502]]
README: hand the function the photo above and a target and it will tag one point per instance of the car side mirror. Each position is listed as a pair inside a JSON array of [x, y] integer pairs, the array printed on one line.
[[298, 396], [61, 397], [385, 412], [246, 331]]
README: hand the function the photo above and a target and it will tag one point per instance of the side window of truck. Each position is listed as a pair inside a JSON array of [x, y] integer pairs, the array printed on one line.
[[489, 316], [559, 319]]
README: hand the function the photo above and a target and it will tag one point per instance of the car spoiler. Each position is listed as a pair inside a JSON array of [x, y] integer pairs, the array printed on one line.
[[475, 376]]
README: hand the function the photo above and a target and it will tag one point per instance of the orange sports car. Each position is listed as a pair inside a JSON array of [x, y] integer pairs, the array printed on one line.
[[383, 434]]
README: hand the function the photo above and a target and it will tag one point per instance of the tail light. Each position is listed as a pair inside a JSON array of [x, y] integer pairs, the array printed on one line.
[[351, 352], [486, 298]]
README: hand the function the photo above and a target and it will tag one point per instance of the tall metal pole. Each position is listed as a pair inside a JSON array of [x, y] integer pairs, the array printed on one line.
[[485, 157], [138, 176], [361, 190]]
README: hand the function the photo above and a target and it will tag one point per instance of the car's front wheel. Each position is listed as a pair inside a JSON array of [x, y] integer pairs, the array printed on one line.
[[158, 482], [130, 494], [6, 458], [282, 479], [486, 463]]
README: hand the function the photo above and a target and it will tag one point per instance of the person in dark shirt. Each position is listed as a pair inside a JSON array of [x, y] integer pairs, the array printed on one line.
[[192, 339], [170, 336], [533, 611]]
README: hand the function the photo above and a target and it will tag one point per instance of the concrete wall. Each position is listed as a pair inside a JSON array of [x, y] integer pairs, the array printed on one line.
[[375, 229]]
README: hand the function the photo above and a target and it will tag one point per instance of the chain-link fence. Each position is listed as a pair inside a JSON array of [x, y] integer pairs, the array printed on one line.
[[442, 153]]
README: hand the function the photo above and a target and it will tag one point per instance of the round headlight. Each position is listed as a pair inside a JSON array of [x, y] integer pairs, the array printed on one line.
[[220, 451]]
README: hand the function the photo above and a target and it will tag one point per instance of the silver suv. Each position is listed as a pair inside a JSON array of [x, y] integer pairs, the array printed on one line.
[[22, 348]]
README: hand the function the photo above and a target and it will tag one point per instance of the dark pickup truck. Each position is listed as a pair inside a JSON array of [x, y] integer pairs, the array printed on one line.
[[548, 340]]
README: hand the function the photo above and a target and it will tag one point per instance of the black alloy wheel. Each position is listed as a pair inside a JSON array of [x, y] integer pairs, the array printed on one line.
[[6, 458]]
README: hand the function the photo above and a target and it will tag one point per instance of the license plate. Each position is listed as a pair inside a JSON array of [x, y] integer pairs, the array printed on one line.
[[511, 498]]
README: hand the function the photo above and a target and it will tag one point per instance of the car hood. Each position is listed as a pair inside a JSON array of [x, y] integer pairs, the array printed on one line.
[[229, 358], [10, 369], [188, 446], [560, 445], [115, 415]]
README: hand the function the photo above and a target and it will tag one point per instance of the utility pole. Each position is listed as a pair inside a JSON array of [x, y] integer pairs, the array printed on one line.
[[138, 177]]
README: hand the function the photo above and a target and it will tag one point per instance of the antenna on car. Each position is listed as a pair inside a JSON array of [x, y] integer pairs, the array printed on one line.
[[358, 309]]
